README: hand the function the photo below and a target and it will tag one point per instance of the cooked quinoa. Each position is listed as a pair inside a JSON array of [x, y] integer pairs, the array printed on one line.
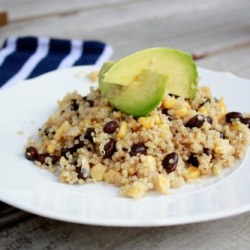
[[86, 140]]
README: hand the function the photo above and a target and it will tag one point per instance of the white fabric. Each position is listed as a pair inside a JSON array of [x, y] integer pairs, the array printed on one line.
[[74, 55], [106, 54]]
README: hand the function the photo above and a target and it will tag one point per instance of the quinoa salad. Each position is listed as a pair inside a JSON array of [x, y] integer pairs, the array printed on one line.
[[182, 140]]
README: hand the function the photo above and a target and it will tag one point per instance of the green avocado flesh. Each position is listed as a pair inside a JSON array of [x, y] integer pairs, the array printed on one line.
[[138, 98], [105, 88], [177, 65], [142, 96]]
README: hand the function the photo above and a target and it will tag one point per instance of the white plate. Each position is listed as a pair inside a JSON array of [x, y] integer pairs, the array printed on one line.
[[26, 106]]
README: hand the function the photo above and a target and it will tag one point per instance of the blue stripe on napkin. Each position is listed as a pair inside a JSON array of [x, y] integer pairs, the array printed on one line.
[[92, 50], [27, 57], [56, 52], [17, 59]]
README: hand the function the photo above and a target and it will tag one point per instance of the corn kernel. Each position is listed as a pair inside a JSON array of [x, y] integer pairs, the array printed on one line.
[[218, 148], [161, 184], [51, 148], [196, 135], [181, 112], [168, 102], [235, 127], [192, 173], [203, 111], [131, 170], [157, 119], [222, 147], [136, 190], [96, 125], [146, 122], [149, 162], [177, 182], [97, 172], [108, 108], [93, 76], [117, 115], [122, 130], [205, 89], [62, 179], [113, 177], [46, 142], [72, 131], [64, 127], [221, 105], [136, 126]]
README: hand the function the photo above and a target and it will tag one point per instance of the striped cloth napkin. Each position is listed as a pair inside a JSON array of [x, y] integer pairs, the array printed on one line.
[[27, 57]]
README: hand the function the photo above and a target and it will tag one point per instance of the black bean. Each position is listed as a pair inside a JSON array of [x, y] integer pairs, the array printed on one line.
[[109, 148], [46, 131], [170, 162], [49, 132], [88, 134], [41, 158], [138, 148], [196, 121], [78, 142], [246, 121], [110, 127], [74, 105], [232, 116], [79, 173], [54, 159], [165, 112], [207, 151], [90, 102], [222, 135], [64, 151], [69, 150], [82, 173], [209, 119], [72, 149], [193, 160], [31, 153]]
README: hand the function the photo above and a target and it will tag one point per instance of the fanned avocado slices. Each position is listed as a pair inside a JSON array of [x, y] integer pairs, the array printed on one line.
[[138, 98], [137, 83]]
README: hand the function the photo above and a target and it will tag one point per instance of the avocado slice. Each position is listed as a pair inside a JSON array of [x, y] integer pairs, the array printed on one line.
[[177, 65], [105, 88], [140, 97]]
